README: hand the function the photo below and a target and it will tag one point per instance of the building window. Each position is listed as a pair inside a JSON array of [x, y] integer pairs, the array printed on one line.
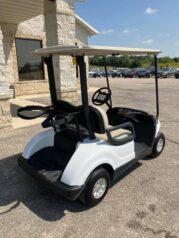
[[30, 67]]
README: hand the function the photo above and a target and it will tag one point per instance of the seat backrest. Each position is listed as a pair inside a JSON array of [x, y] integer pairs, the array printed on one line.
[[68, 107], [99, 119]]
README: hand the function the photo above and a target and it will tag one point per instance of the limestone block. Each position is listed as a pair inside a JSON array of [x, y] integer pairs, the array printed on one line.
[[5, 107], [27, 29], [7, 35], [5, 121], [30, 88], [60, 30], [5, 115]]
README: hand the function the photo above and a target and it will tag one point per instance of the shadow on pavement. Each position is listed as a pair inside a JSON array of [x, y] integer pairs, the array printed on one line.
[[149, 158], [16, 187]]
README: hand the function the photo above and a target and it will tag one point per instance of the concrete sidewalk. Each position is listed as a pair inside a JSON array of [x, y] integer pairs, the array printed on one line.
[[17, 122]]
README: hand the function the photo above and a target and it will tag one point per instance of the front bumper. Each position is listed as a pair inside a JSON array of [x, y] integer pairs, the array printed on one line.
[[69, 192], [162, 75]]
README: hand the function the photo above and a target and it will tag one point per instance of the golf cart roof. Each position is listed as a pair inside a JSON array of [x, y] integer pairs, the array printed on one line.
[[77, 50]]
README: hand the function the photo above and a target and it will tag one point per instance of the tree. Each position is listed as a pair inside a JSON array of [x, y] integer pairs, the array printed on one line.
[[133, 61]]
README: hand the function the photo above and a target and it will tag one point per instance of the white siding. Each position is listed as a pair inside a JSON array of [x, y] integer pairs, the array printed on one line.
[[81, 34]]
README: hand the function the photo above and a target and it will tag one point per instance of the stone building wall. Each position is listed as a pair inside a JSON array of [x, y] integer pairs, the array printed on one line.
[[35, 29], [60, 30], [7, 34], [31, 29], [5, 115]]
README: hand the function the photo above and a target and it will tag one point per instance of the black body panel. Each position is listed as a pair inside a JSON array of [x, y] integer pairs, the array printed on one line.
[[48, 164], [58, 187], [56, 157], [144, 127]]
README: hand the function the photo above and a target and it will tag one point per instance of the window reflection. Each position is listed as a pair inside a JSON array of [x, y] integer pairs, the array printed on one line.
[[30, 67]]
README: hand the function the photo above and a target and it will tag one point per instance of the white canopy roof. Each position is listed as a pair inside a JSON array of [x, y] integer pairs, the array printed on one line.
[[76, 50]]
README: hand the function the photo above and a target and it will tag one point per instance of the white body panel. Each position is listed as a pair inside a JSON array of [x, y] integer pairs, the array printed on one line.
[[89, 155], [92, 153], [38, 142], [158, 128]]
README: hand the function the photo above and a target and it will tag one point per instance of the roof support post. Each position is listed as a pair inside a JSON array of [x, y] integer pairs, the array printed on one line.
[[156, 85], [49, 62], [107, 77], [84, 94]]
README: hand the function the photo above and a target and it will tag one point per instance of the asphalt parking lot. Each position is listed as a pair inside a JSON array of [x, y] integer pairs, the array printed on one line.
[[144, 204]]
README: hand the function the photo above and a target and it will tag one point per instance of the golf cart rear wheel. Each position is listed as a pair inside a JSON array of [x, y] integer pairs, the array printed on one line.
[[158, 145], [96, 187]]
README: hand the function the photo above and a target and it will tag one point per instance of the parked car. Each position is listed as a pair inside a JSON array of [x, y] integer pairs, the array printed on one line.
[[119, 73], [166, 72], [145, 73], [103, 73], [94, 73], [177, 74], [99, 74], [131, 73]]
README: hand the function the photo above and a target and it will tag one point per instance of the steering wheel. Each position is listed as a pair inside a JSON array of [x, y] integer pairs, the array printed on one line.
[[102, 96]]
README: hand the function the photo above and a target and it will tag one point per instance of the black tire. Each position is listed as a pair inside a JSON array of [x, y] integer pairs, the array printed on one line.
[[157, 150], [87, 196]]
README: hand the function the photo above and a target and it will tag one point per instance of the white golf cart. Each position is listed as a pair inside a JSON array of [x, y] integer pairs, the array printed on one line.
[[86, 147]]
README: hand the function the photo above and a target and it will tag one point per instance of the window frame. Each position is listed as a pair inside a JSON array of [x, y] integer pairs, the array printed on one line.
[[43, 67]]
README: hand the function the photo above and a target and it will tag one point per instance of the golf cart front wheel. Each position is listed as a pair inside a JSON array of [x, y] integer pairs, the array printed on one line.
[[96, 187], [158, 145]]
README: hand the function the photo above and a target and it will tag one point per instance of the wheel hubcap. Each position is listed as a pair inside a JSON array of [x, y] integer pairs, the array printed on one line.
[[160, 145], [99, 188]]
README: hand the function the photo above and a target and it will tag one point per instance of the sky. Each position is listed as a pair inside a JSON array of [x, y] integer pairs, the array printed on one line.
[[150, 24]]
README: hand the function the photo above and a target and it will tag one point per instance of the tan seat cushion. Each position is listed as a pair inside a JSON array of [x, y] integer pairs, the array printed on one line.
[[103, 114], [117, 134]]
